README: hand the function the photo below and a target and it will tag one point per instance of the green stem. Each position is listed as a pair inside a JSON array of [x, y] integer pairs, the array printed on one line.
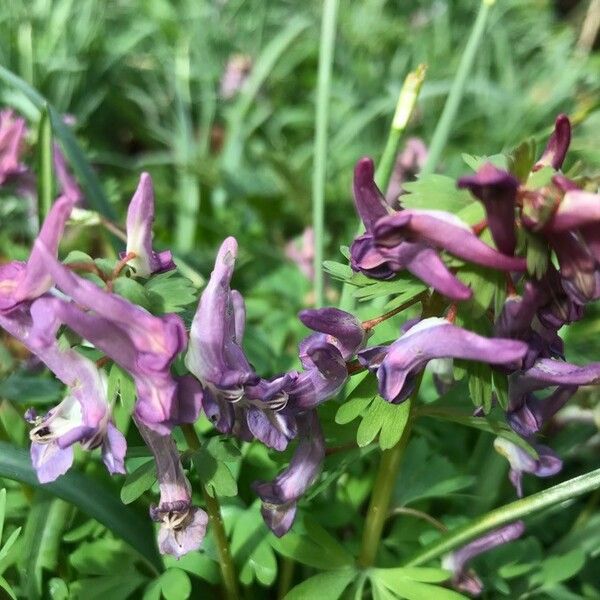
[[214, 513], [45, 182], [382, 494], [320, 154], [286, 577], [444, 125], [507, 514]]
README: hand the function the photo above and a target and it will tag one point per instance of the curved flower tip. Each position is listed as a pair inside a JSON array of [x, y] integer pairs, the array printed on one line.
[[369, 201], [546, 465], [26, 281], [181, 533], [497, 190], [140, 219], [341, 329], [446, 232], [215, 355], [280, 496], [557, 146], [457, 561], [434, 338], [367, 258]]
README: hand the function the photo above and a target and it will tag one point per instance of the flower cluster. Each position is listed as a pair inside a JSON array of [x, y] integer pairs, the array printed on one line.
[[43, 297]]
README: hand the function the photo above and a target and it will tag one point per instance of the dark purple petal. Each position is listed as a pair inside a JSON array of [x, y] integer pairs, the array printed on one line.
[[558, 144], [367, 258], [369, 201], [497, 190], [445, 231], [280, 495], [342, 329], [424, 262], [12, 139]]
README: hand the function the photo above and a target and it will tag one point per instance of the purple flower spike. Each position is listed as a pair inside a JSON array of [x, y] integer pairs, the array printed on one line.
[[12, 136], [557, 146], [398, 368], [546, 465], [497, 190], [444, 231], [26, 281], [465, 580], [182, 525], [68, 186], [338, 327], [140, 218], [281, 495]]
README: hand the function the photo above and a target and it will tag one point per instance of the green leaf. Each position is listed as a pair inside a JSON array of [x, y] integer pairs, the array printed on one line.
[[423, 574], [42, 536], [251, 550], [133, 291], [351, 409], [170, 292], [537, 254], [329, 585], [485, 284], [58, 589], [310, 544], [173, 584], [480, 384], [223, 448], [120, 382], [30, 389], [115, 587], [12, 538], [338, 270], [559, 568], [522, 159], [435, 191], [383, 418], [90, 496], [7, 588], [138, 482], [214, 474]]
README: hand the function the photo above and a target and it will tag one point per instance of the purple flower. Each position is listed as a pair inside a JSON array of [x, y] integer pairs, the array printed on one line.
[[140, 218], [19, 281], [143, 344], [465, 580], [336, 327], [371, 206], [236, 399], [12, 137], [235, 75], [83, 416], [398, 365], [182, 525], [280, 496], [444, 231], [497, 190], [546, 465], [528, 413], [68, 186], [557, 146]]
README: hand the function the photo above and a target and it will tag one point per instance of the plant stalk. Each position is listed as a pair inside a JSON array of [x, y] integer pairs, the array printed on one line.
[[507, 514], [382, 493], [214, 513], [326, 51], [444, 125]]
